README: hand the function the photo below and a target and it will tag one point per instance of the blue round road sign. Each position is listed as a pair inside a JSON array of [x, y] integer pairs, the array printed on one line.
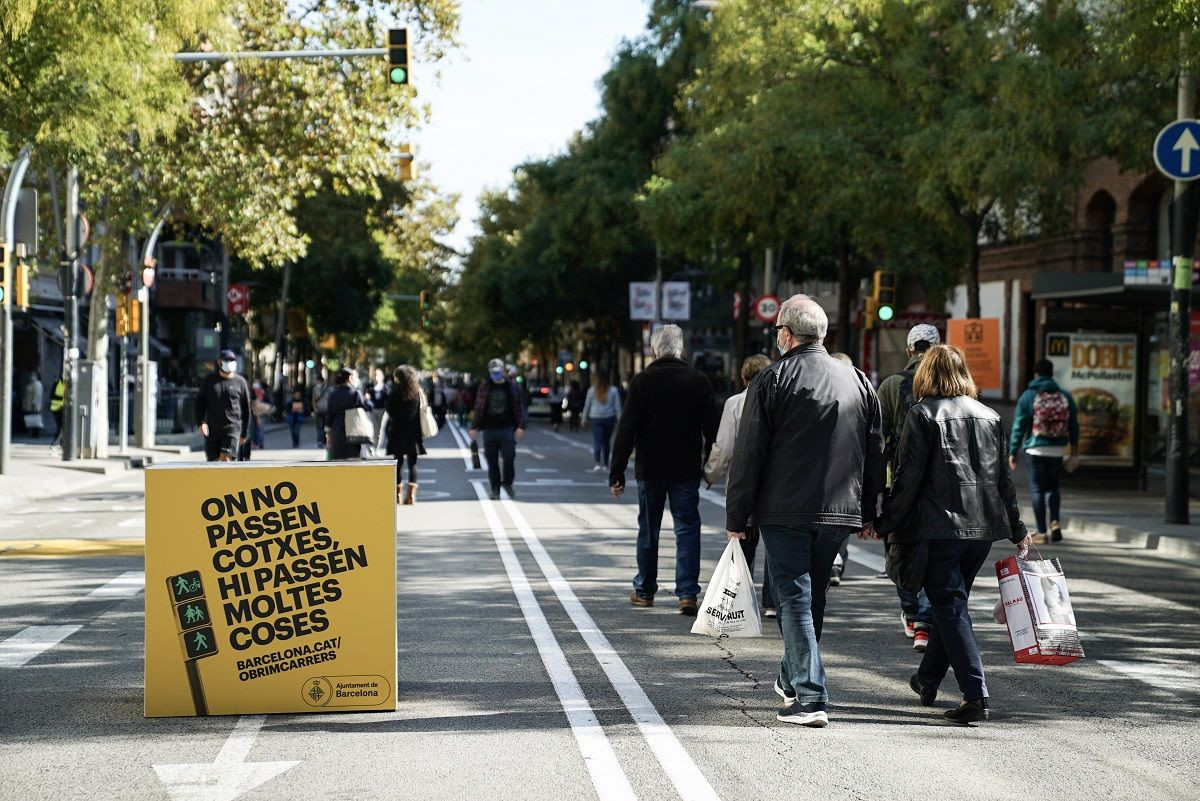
[[1177, 150]]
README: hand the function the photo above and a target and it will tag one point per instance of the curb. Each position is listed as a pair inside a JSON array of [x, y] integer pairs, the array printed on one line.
[[1161, 544]]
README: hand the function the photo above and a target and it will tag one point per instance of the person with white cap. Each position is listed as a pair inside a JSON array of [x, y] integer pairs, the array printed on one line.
[[500, 415], [895, 400]]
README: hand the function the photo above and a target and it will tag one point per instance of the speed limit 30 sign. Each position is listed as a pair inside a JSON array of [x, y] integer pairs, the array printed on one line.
[[766, 308]]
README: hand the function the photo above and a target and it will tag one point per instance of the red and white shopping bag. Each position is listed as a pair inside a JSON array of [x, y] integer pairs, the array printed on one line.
[[1037, 608]]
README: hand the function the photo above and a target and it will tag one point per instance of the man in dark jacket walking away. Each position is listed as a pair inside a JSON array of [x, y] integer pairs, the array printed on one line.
[[223, 410], [808, 468], [1046, 427], [670, 418], [500, 415]]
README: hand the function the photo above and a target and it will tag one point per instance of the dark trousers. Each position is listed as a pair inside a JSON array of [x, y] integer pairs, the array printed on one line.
[[953, 565], [602, 429], [295, 423], [684, 497], [1043, 487], [321, 429], [801, 562], [411, 458], [500, 450]]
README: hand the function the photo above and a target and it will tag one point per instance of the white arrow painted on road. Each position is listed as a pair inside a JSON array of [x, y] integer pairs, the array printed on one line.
[[230, 775], [1185, 144]]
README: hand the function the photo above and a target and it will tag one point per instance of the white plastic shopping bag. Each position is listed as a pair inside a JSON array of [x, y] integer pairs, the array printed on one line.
[[730, 607]]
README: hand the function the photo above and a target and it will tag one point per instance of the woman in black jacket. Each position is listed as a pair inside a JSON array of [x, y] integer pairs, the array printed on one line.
[[342, 398], [404, 430], [952, 488]]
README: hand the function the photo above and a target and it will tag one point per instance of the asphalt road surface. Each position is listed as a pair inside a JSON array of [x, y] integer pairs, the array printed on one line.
[[525, 673]]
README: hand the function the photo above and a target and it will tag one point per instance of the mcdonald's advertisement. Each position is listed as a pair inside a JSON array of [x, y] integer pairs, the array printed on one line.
[[270, 588], [1100, 372]]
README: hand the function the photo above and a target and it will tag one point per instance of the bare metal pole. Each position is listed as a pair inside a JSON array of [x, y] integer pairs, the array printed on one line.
[[8, 213]]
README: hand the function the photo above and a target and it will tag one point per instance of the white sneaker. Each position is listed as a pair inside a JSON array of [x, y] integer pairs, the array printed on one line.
[[598, 468]]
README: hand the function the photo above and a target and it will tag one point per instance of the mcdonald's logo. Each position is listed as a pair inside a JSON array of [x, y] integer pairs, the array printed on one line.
[[1058, 346]]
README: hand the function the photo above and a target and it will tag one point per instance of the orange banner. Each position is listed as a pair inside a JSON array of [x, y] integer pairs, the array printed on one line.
[[980, 340]]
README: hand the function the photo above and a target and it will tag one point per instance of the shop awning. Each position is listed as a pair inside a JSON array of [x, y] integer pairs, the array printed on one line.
[[1106, 289]]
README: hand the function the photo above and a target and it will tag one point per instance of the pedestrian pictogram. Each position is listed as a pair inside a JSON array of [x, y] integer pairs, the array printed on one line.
[[192, 614], [1177, 150], [199, 643]]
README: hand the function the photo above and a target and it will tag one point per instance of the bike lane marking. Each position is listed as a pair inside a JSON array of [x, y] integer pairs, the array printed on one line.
[[33, 641], [607, 776], [674, 758]]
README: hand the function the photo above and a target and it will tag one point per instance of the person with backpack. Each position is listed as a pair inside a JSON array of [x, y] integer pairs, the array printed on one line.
[[1046, 427], [895, 401]]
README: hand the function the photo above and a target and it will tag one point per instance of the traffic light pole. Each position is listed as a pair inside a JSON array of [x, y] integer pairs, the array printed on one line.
[[1183, 236], [146, 417], [70, 410], [8, 213]]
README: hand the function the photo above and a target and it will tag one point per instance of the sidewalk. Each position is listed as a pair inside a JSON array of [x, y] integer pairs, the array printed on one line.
[[1129, 518], [36, 472]]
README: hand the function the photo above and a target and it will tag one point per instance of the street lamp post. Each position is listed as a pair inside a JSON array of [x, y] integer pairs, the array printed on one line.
[[8, 213]]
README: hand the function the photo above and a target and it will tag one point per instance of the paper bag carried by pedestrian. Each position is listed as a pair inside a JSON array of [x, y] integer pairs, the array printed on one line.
[[1037, 610], [730, 606]]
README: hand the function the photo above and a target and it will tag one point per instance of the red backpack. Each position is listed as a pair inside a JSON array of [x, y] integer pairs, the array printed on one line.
[[1051, 413]]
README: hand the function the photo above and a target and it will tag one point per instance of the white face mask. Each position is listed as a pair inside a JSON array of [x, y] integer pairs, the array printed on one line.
[[228, 367]]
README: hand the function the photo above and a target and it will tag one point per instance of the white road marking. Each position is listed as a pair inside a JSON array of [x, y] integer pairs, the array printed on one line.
[[126, 585], [524, 451], [565, 439], [542, 470], [28, 643], [133, 522], [868, 559], [230, 775], [1174, 677], [608, 777], [87, 521], [674, 758]]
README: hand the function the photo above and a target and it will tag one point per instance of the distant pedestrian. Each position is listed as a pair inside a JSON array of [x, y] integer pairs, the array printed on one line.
[[259, 408], [297, 412], [896, 398], [404, 439], [670, 419], [31, 405], [602, 406], [342, 398], [466, 403], [722, 452], [223, 410], [320, 406], [573, 403], [500, 415], [57, 401], [809, 468], [953, 488], [1046, 427], [439, 402]]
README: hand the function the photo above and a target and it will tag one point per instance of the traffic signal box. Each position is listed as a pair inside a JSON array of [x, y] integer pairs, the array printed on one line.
[[128, 315], [426, 303], [195, 629], [880, 307], [397, 56], [20, 286]]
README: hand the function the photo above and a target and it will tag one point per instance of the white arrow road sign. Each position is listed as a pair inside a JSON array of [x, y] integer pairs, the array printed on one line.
[[1185, 144], [230, 775]]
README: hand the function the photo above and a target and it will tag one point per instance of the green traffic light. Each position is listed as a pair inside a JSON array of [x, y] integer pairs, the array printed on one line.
[[886, 313], [583, 364], [559, 369], [398, 75]]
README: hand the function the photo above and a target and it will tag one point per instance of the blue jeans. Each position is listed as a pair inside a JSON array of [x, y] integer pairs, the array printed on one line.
[[800, 559], [916, 605], [953, 565], [602, 428], [1043, 487], [684, 497]]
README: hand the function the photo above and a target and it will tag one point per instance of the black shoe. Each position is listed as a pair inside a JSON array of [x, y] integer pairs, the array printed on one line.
[[786, 693], [968, 712], [835, 578], [928, 695], [511, 492], [494, 494], [814, 715]]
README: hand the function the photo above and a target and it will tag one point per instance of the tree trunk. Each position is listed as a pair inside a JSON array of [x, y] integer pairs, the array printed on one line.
[[741, 328], [972, 226], [846, 290], [97, 352], [281, 327]]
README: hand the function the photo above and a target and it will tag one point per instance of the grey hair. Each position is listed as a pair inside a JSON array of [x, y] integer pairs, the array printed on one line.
[[805, 318], [667, 341]]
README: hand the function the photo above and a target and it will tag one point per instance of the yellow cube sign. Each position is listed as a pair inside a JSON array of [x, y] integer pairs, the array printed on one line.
[[270, 588]]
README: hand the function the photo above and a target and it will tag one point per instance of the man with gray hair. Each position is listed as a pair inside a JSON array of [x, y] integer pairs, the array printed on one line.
[[808, 468], [670, 418]]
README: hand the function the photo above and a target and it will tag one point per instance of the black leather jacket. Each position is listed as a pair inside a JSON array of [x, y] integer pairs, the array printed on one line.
[[809, 448], [953, 480]]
